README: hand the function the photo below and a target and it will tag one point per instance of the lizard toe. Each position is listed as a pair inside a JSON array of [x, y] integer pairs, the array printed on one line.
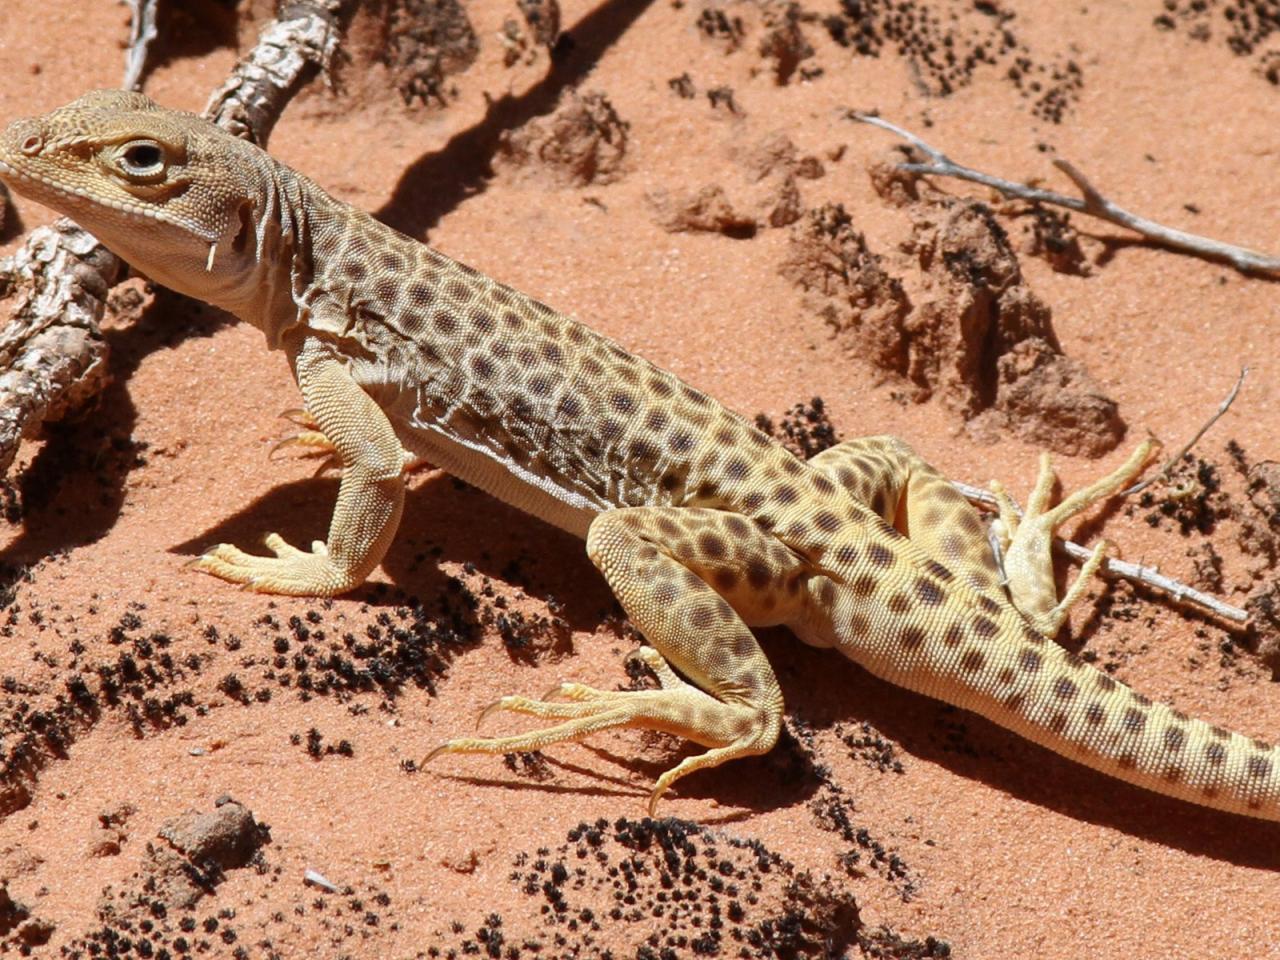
[[291, 571]]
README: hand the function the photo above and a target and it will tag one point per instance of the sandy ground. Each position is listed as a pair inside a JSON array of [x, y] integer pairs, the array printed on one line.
[[938, 823]]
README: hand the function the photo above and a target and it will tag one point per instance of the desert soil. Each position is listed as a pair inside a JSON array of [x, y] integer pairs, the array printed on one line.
[[662, 180]]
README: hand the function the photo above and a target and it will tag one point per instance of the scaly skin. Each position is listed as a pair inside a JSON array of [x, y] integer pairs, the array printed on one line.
[[703, 526]]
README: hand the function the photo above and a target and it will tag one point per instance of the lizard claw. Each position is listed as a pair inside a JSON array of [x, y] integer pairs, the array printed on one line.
[[487, 712]]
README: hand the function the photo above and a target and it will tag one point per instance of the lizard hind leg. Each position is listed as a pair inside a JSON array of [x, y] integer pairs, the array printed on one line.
[[1027, 540], [886, 475], [661, 563]]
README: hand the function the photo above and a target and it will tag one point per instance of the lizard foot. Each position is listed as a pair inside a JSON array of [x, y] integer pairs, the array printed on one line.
[[310, 439], [1027, 539], [291, 571], [730, 729]]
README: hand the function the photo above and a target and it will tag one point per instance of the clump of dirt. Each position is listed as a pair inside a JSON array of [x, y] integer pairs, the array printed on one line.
[[153, 915], [972, 332], [144, 681], [848, 286], [201, 847], [583, 141], [1191, 495], [869, 746], [541, 20], [724, 30], [423, 42], [1201, 500], [19, 930], [784, 43], [835, 811], [762, 192], [947, 44], [1050, 235], [670, 888], [1051, 400], [1248, 28], [110, 836], [805, 429]]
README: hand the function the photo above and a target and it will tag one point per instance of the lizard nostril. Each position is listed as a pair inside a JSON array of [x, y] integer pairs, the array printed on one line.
[[32, 144]]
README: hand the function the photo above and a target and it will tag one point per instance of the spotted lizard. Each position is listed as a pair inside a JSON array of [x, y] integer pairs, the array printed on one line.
[[703, 526]]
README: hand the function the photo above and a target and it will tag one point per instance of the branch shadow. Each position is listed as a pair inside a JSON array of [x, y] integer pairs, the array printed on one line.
[[73, 489], [1113, 246], [439, 181]]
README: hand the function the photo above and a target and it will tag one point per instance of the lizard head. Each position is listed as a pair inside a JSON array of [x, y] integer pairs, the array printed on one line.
[[165, 190]]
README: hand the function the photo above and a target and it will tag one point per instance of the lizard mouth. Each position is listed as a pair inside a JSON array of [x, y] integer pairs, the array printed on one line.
[[48, 191]]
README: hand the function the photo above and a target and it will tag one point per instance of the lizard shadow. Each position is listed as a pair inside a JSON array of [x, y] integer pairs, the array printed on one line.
[[446, 520], [973, 747], [435, 184], [73, 489]]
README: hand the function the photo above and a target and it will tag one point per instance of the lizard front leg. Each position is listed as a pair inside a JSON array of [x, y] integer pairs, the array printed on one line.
[[370, 497]]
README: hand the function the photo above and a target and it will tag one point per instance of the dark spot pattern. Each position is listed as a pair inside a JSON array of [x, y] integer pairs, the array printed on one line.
[[929, 592], [1259, 768], [880, 555]]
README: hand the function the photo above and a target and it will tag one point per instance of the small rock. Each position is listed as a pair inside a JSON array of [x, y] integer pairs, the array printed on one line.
[[317, 879], [35, 932], [12, 912], [227, 836], [201, 846]]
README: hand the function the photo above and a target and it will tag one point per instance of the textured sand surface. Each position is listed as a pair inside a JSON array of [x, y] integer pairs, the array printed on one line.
[[938, 823]]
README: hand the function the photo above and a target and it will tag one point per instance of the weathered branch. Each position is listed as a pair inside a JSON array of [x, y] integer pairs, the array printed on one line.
[[1092, 202], [1180, 592], [52, 353], [304, 37], [142, 30]]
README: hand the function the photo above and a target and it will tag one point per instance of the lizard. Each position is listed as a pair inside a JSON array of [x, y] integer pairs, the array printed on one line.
[[703, 526]]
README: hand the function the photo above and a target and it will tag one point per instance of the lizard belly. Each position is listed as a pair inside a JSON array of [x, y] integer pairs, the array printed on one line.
[[511, 483]]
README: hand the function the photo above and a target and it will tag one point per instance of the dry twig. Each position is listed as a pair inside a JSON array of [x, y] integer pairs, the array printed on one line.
[[142, 30], [1180, 592], [303, 38], [52, 353], [1092, 203], [1168, 464]]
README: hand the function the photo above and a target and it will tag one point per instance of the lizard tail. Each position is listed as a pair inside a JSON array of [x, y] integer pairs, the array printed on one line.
[[996, 665]]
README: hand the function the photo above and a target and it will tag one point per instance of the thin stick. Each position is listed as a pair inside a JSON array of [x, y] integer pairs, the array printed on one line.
[[1180, 592], [1168, 464], [1093, 203], [142, 30]]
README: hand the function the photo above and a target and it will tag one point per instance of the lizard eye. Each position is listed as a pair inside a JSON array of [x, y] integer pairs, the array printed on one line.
[[142, 158]]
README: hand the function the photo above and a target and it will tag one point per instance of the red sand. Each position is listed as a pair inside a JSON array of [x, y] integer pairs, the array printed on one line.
[[1009, 851]]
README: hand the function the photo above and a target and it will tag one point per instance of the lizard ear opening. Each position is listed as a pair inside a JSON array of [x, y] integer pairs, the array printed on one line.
[[241, 241]]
